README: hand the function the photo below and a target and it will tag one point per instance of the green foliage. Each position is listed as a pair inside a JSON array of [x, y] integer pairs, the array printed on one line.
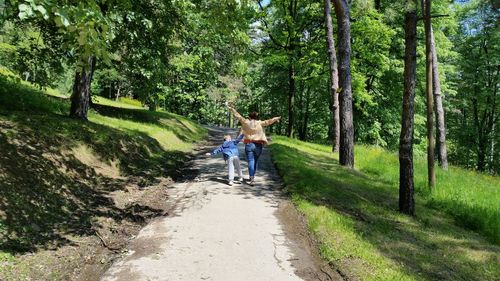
[[354, 215], [25, 52], [86, 29], [282, 39], [473, 120], [210, 46], [377, 71], [289, 36]]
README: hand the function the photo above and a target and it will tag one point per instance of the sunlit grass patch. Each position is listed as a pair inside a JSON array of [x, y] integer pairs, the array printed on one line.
[[472, 198], [167, 139], [354, 215], [172, 131], [118, 104], [130, 102], [56, 93]]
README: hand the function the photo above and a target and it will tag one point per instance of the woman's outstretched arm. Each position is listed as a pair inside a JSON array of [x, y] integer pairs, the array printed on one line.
[[236, 114], [270, 121]]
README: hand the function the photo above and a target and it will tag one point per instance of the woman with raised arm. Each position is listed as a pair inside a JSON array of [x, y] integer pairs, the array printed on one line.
[[255, 138]]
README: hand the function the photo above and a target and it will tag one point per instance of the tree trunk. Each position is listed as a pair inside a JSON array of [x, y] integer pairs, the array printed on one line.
[[118, 93], [438, 108], [492, 148], [479, 136], [481, 154], [346, 150], [334, 77], [230, 121], [406, 185], [431, 177], [303, 133], [80, 99], [301, 111], [291, 98]]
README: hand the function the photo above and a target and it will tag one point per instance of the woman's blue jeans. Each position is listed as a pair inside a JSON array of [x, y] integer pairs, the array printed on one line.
[[253, 151]]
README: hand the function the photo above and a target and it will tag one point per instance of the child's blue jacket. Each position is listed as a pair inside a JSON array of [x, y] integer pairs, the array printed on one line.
[[229, 148]]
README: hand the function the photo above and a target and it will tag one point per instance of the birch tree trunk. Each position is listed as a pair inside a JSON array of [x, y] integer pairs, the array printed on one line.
[[438, 108], [334, 77], [431, 176]]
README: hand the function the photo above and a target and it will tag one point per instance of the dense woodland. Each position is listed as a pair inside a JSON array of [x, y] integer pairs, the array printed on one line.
[[277, 57]]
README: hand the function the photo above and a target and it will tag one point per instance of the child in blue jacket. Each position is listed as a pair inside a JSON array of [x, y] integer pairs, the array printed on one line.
[[231, 155]]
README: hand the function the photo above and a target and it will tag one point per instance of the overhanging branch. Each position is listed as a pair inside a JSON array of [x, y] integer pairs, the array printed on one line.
[[267, 28]]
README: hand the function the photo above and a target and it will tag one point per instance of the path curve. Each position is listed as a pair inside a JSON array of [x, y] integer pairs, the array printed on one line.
[[219, 232]]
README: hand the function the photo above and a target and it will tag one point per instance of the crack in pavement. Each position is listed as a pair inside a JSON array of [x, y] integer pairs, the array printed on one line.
[[275, 244]]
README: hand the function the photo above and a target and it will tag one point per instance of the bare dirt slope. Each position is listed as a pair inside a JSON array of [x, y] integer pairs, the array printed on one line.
[[220, 232]]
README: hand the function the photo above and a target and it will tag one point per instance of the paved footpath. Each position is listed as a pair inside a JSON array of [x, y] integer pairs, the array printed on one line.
[[218, 232]]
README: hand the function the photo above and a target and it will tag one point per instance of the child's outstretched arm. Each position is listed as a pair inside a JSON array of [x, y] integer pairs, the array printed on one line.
[[216, 151], [239, 138]]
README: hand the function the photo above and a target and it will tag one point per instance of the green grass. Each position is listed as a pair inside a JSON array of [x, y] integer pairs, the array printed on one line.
[[173, 132], [130, 101], [354, 215], [57, 174], [119, 103], [472, 198]]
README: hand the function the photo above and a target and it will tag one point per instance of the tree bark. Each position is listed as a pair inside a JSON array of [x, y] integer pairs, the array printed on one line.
[[431, 177], [80, 98], [303, 131], [492, 148], [291, 98], [118, 93], [480, 150], [481, 155], [334, 77], [406, 183], [346, 149], [438, 108]]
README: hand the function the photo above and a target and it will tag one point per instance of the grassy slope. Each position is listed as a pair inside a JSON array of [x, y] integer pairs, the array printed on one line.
[[353, 215], [57, 174]]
